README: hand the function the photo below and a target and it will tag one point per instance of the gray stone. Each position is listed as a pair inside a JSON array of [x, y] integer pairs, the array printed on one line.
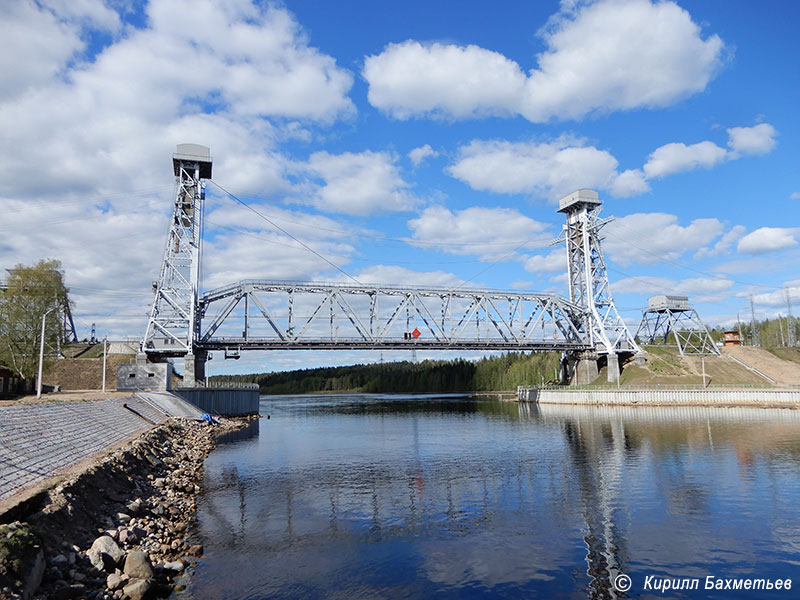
[[139, 589], [115, 582], [176, 566], [33, 574], [76, 590], [137, 565], [134, 506], [127, 536], [105, 554], [59, 560]]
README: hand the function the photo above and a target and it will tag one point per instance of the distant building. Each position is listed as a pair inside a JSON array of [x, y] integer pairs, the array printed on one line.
[[731, 338]]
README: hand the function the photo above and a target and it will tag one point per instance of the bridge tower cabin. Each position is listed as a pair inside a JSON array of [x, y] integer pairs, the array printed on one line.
[[588, 286], [174, 322]]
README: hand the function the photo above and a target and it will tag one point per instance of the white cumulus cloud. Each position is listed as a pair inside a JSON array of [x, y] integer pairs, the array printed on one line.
[[550, 169], [554, 262], [486, 232], [418, 155], [768, 239], [629, 53], [678, 157], [759, 139], [359, 184], [410, 79], [650, 237], [118, 113]]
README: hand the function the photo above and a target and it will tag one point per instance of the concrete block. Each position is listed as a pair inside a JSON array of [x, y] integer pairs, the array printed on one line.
[[157, 376]]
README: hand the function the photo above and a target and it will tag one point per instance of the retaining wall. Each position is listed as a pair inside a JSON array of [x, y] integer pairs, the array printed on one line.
[[222, 401], [662, 397], [40, 441]]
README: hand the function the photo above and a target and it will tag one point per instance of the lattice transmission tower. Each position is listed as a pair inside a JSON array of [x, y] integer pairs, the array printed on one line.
[[174, 320], [588, 278]]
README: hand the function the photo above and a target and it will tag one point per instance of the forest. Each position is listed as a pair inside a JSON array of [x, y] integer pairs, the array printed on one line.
[[498, 373]]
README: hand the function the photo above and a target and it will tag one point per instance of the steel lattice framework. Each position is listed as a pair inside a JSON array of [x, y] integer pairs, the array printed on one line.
[[588, 279], [263, 315], [290, 315], [174, 322], [673, 314]]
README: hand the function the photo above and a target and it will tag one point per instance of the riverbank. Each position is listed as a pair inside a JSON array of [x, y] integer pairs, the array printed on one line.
[[666, 396], [122, 527]]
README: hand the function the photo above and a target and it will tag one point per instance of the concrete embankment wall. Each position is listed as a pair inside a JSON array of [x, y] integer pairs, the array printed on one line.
[[222, 401], [662, 397], [40, 441]]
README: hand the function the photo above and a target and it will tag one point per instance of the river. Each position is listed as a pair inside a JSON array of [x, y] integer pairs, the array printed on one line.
[[398, 496]]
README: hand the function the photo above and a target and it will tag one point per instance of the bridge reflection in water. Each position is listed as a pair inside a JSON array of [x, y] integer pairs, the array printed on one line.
[[384, 496]]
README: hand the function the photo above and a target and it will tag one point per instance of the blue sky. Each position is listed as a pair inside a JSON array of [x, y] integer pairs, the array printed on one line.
[[419, 143]]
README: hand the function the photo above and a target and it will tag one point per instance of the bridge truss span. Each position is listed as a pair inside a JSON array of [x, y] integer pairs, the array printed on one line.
[[260, 314]]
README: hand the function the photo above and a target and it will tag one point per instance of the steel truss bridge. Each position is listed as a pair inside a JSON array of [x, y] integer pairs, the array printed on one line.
[[271, 315]]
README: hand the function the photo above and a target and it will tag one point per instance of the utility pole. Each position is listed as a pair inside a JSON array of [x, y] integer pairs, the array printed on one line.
[[105, 345], [703, 363], [753, 326], [739, 324], [41, 356], [790, 318]]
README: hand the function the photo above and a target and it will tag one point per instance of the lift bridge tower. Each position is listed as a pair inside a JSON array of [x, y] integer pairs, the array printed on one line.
[[174, 322], [588, 287]]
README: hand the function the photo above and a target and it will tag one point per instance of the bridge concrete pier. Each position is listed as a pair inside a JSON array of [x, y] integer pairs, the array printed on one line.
[[583, 368], [586, 369], [579, 368], [194, 369], [612, 367]]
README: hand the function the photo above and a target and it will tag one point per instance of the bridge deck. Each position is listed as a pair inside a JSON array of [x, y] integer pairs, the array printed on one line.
[[384, 344]]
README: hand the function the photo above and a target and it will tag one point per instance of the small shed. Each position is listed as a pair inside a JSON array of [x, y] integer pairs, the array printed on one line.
[[731, 338]]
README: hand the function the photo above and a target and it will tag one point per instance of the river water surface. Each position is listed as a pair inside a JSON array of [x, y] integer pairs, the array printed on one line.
[[392, 496]]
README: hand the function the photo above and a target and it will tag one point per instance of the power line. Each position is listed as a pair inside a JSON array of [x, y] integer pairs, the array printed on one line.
[[347, 256], [688, 268], [112, 212], [499, 260], [400, 240], [276, 226]]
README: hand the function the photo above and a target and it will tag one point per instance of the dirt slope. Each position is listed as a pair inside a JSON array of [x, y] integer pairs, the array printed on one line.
[[665, 366], [785, 372]]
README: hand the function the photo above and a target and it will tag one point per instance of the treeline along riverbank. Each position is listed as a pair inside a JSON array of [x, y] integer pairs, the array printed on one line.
[[497, 373]]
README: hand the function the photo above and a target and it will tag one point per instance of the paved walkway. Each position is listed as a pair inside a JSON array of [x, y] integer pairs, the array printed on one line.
[[40, 441]]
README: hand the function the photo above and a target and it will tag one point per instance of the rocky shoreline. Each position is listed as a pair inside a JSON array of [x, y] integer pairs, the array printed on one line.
[[121, 529]]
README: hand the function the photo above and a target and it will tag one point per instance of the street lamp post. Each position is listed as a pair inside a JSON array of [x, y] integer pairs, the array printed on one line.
[[41, 356], [105, 345]]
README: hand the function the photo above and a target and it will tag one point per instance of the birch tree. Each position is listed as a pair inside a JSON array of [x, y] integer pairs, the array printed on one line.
[[29, 293]]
